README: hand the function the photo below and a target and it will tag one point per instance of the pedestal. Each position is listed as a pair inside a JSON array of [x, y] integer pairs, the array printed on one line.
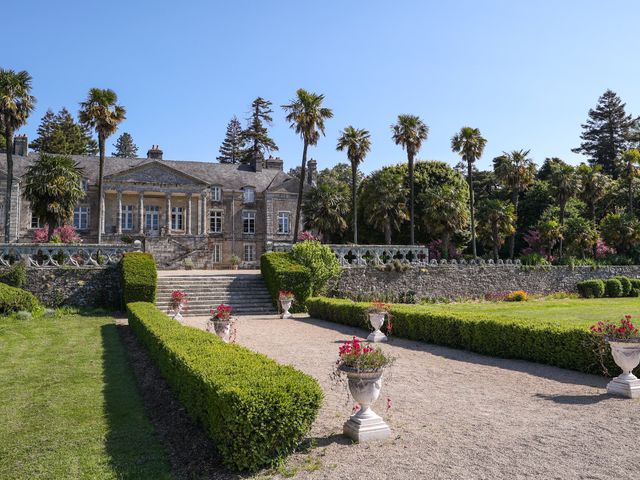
[[366, 426], [625, 385], [377, 336]]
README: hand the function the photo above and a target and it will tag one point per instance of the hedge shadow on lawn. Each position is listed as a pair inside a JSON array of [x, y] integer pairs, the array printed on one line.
[[537, 369], [575, 399]]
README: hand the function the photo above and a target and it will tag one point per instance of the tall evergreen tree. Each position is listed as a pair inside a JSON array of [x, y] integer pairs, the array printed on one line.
[[256, 134], [232, 149], [607, 133], [60, 134], [125, 148]]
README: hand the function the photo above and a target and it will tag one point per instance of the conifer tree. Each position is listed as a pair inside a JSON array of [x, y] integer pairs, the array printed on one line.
[[125, 148], [256, 134], [607, 133], [60, 134], [232, 149]]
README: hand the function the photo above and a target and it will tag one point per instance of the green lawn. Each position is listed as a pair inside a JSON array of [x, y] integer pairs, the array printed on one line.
[[69, 407], [577, 312]]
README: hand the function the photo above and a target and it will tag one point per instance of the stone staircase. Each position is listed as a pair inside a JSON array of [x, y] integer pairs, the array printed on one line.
[[246, 293]]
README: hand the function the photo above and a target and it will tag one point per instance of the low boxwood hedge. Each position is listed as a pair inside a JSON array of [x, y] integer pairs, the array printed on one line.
[[255, 409], [626, 285], [281, 272], [591, 288], [139, 277], [14, 299], [613, 287], [565, 347]]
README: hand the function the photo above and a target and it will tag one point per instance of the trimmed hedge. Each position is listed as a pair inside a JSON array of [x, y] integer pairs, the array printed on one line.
[[591, 288], [139, 277], [15, 275], [626, 285], [564, 347], [256, 410], [613, 287], [14, 299], [281, 272]]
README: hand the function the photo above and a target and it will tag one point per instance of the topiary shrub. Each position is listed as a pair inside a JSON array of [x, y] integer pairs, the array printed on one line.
[[591, 288], [280, 272], [319, 259], [14, 299], [613, 287], [15, 276], [139, 277], [626, 285], [635, 283], [255, 410]]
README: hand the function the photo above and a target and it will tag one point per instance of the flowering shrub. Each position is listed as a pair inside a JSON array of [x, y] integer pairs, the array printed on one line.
[[63, 234], [353, 356], [285, 295], [178, 298], [517, 296], [603, 250], [221, 312], [306, 235], [623, 330]]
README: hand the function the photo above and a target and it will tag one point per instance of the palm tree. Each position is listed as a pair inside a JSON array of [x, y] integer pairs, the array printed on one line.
[[16, 103], [630, 158], [384, 197], [306, 116], [564, 184], [515, 172], [357, 142], [496, 219], [469, 144], [593, 186], [446, 213], [325, 208], [101, 112], [409, 131]]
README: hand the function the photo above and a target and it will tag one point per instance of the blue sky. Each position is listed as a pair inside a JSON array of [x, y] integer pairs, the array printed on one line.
[[525, 73]]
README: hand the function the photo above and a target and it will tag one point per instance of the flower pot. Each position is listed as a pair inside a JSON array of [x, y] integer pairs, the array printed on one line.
[[234, 267], [626, 354], [365, 425], [177, 313], [285, 304], [377, 320], [222, 328]]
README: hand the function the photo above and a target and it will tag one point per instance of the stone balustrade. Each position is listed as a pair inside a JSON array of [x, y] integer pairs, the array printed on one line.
[[43, 255]]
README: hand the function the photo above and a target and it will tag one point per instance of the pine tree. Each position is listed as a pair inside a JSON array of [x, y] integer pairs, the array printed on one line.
[[60, 134], [607, 133], [256, 134], [232, 148], [125, 148]]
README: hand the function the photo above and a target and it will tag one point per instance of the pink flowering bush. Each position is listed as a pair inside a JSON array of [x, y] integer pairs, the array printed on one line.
[[63, 234], [307, 235], [352, 355], [622, 330]]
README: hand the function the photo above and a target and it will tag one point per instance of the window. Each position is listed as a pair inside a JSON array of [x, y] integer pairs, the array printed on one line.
[[215, 221], [127, 217], [81, 218], [216, 253], [151, 217], [176, 218], [249, 253], [248, 222], [249, 194], [283, 222], [216, 194], [35, 222], [84, 184]]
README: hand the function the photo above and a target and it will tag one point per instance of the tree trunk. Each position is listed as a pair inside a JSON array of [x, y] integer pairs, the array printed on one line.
[[412, 240], [512, 240], [7, 199], [562, 207], [630, 187], [496, 246], [387, 231], [445, 245], [101, 146], [303, 170], [472, 207], [354, 206], [50, 229]]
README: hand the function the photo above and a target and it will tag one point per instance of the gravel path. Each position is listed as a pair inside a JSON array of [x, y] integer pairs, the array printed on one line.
[[456, 414]]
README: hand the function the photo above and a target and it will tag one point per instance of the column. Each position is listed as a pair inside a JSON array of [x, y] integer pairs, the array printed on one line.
[[203, 224], [188, 213], [168, 213], [101, 226], [119, 213], [141, 213]]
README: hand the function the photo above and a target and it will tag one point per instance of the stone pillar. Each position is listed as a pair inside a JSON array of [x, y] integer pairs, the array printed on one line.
[[119, 217], [199, 215], [203, 224], [188, 213], [101, 226], [168, 214], [141, 213]]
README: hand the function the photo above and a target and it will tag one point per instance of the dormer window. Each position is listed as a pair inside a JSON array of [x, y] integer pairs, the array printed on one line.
[[216, 194], [249, 195]]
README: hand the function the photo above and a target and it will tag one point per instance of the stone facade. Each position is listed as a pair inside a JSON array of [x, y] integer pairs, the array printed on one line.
[[467, 281]]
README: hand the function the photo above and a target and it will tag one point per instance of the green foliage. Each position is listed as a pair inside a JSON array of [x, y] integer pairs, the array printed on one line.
[[635, 283], [15, 276], [591, 288], [139, 277], [14, 299], [496, 221], [254, 409], [613, 287], [59, 134], [256, 135], [533, 260], [232, 149], [125, 148], [325, 208], [620, 230], [319, 260], [626, 285], [383, 196], [281, 272]]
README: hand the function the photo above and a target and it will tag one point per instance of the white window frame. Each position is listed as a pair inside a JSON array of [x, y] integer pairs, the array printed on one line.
[[37, 222], [177, 218], [281, 229], [249, 195], [127, 217], [249, 252], [152, 212], [216, 194], [216, 254], [219, 215], [249, 222], [81, 217]]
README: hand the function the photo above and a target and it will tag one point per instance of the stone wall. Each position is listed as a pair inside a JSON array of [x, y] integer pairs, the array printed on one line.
[[467, 281], [84, 287]]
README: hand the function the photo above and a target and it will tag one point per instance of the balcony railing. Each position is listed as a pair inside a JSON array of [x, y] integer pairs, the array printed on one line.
[[42, 255]]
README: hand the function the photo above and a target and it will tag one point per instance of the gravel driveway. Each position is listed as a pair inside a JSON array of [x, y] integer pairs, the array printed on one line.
[[455, 414]]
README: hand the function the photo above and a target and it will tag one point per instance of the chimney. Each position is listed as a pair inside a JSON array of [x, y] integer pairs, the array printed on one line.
[[256, 161], [20, 145], [312, 172], [154, 153], [275, 163]]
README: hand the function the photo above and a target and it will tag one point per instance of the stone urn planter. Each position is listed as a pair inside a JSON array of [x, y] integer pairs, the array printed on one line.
[[178, 304], [177, 313], [376, 319], [365, 425], [286, 299], [626, 354], [222, 328]]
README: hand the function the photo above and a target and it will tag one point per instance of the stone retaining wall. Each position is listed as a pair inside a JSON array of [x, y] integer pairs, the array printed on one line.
[[469, 281]]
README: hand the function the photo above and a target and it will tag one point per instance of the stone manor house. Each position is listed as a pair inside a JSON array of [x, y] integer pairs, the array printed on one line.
[[181, 210]]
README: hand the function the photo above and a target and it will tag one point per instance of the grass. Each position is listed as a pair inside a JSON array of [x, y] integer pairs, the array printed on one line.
[[572, 312], [70, 407]]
